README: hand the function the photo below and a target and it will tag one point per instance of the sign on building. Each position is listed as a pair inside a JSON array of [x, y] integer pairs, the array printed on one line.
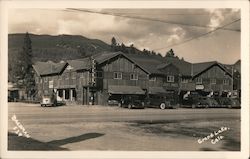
[[51, 84]]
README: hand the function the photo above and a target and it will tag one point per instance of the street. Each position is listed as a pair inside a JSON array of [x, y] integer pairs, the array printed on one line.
[[113, 128]]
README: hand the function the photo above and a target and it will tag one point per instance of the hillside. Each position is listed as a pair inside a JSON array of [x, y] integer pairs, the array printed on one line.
[[56, 48]]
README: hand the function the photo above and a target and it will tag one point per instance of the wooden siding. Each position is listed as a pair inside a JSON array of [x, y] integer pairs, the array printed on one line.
[[217, 74], [126, 67]]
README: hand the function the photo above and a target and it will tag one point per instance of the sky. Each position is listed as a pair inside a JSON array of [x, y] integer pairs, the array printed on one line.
[[189, 32]]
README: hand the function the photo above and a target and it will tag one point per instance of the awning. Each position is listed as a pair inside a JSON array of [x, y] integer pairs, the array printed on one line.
[[156, 90], [125, 90]]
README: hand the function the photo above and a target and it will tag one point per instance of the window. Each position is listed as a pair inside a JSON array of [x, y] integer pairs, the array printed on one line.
[[133, 76], [213, 81], [198, 80], [99, 74], [184, 80], [117, 75], [170, 78], [226, 81], [152, 79]]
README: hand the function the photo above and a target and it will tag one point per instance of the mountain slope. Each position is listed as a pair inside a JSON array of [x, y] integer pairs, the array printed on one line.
[[56, 48]]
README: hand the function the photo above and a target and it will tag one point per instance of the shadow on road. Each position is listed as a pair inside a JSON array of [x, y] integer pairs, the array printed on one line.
[[22, 143], [75, 139]]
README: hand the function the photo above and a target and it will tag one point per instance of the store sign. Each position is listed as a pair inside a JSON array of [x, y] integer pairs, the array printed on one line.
[[199, 87], [51, 83]]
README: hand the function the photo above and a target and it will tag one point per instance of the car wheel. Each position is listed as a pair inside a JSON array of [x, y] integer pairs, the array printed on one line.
[[163, 106], [129, 106]]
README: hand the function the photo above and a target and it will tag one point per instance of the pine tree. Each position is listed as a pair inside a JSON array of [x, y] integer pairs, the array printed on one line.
[[170, 53], [113, 44], [28, 73]]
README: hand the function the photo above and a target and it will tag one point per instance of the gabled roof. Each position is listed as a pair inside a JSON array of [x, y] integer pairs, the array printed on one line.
[[80, 64], [153, 65], [149, 64], [183, 66], [47, 68], [198, 68], [105, 56]]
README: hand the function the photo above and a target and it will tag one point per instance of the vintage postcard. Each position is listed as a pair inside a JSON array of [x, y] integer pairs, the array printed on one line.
[[125, 79]]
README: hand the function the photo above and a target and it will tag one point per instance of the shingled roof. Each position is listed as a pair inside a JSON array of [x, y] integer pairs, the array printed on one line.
[[200, 67], [149, 64], [183, 66], [47, 68], [80, 64], [104, 56]]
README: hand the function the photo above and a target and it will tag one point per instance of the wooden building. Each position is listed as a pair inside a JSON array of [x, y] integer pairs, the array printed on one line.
[[104, 76], [212, 77]]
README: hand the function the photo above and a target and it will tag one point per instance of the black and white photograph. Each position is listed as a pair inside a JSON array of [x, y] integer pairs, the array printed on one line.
[[131, 79]]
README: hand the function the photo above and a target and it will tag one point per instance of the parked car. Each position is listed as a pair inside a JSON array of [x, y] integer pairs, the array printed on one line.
[[159, 101], [48, 100], [228, 102], [114, 102], [133, 101], [197, 102]]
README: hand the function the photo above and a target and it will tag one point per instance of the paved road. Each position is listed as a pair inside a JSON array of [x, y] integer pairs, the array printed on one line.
[[106, 114]]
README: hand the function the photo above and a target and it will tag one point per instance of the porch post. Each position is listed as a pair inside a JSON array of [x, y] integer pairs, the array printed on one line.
[[63, 94], [71, 94]]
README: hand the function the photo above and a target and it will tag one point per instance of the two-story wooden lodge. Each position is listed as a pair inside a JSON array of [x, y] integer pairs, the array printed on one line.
[[104, 76]]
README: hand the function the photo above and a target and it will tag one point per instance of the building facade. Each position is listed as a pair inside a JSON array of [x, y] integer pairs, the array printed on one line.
[[113, 75]]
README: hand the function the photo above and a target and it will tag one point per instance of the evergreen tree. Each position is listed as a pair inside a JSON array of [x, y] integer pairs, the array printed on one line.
[[170, 53], [28, 73], [132, 49], [113, 44]]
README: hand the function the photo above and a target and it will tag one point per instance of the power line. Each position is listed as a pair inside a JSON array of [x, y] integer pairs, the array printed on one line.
[[205, 34], [149, 19]]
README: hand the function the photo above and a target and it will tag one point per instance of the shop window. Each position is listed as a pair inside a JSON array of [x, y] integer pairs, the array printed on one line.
[[67, 94], [74, 94], [60, 93]]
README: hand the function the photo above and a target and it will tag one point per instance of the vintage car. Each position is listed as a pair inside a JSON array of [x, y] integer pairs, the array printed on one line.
[[48, 100], [133, 101], [198, 101], [159, 101], [226, 102], [51, 100]]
